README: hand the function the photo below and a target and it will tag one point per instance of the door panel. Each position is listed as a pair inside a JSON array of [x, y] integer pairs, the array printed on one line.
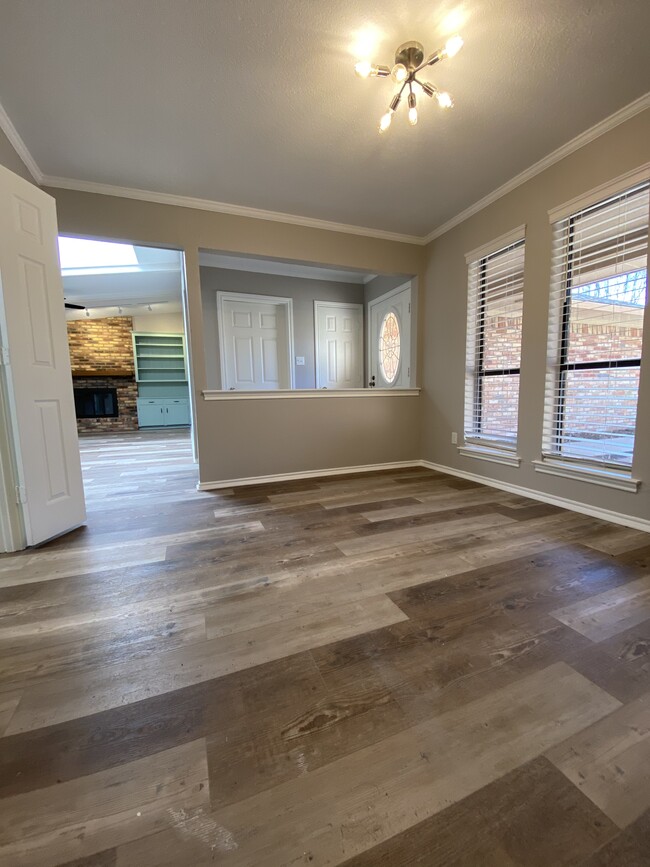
[[244, 364], [339, 345], [39, 381], [389, 339], [255, 344]]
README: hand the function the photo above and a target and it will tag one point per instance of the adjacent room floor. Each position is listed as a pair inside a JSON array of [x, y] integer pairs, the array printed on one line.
[[394, 668]]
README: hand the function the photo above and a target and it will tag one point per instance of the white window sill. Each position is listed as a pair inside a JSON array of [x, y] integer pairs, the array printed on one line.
[[609, 478], [496, 456], [308, 393]]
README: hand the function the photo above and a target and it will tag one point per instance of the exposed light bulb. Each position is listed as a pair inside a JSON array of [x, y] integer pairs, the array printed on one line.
[[87, 312], [149, 307], [429, 89], [453, 46], [386, 119], [399, 73], [363, 68], [444, 100], [413, 112]]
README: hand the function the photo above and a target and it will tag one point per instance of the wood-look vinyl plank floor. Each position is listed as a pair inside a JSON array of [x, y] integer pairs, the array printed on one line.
[[388, 668]]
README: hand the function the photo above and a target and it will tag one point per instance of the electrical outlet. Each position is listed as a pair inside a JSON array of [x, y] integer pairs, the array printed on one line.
[[300, 360], [454, 438]]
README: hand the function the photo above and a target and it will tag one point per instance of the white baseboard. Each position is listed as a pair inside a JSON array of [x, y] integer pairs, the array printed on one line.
[[532, 494], [307, 474]]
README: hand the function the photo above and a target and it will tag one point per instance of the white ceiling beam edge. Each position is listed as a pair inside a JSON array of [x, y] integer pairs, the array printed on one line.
[[589, 135]]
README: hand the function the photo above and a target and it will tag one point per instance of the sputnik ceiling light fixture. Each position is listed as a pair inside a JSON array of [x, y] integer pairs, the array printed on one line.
[[409, 61]]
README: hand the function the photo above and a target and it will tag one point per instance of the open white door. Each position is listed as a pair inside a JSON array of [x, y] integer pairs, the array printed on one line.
[[389, 339], [35, 351]]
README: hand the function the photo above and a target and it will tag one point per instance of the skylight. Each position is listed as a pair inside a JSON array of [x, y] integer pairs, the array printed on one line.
[[81, 256]]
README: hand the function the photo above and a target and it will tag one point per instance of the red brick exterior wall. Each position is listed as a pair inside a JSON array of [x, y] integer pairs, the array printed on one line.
[[588, 342]]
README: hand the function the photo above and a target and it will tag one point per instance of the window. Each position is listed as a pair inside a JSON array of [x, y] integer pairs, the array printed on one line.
[[389, 347], [494, 322], [598, 300]]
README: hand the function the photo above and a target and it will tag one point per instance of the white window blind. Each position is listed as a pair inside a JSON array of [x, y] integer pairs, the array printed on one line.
[[494, 323], [597, 307]]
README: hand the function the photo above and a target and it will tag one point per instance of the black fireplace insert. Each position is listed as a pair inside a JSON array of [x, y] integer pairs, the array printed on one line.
[[95, 402]]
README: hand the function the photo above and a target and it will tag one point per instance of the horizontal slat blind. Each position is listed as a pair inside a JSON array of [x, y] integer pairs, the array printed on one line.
[[597, 307], [494, 323]]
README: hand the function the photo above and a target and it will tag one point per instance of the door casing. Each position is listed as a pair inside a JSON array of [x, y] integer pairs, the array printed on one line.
[[285, 303]]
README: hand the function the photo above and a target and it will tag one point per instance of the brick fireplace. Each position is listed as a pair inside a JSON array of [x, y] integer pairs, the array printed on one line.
[[101, 355]]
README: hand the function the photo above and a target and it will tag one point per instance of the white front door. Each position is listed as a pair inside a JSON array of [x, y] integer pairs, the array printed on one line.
[[255, 342], [35, 349], [339, 345], [389, 339]]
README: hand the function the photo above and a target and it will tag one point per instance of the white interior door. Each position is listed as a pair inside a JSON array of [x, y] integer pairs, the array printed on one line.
[[35, 350], [255, 343], [389, 339], [339, 345]]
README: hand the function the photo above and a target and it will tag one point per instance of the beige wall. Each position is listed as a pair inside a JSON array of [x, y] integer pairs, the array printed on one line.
[[10, 159], [280, 436], [314, 433], [443, 317]]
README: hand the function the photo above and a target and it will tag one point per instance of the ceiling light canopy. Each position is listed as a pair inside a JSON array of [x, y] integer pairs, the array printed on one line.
[[409, 61]]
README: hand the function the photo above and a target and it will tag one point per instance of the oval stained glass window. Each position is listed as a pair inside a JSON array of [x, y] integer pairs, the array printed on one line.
[[389, 351]]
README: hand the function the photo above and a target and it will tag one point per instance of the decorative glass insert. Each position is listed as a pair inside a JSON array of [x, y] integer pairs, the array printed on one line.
[[389, 347]]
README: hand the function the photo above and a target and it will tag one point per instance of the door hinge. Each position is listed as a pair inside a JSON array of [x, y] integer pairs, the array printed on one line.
[[4, 355], [21, 495], [409, 306]]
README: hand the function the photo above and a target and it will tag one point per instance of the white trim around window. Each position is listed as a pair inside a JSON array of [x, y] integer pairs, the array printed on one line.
[[493, 353], [597, 312]]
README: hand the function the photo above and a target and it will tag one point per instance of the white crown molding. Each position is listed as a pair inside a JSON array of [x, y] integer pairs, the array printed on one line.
[[589, 135], [224, 208], [609, 123], [19, 145]]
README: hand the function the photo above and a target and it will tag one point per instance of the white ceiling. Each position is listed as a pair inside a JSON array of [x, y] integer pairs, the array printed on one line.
[[256, 104], [157, 284]]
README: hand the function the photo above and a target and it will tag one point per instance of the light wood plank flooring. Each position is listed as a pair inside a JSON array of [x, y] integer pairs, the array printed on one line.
[[393, 668]]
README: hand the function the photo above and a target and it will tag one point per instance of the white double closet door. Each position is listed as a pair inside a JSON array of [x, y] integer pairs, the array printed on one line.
[[255, 337]]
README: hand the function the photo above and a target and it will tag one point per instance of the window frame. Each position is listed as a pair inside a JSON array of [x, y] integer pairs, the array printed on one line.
[[476, 444], [605, 473]]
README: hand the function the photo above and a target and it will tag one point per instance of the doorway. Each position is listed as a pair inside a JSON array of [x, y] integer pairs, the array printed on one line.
[[129, 363], [389, 339], [339, 344]]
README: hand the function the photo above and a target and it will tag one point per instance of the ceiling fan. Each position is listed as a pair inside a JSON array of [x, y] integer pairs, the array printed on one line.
[[69, 306]]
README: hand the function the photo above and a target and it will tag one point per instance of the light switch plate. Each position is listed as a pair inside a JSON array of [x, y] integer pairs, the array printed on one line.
[[300, 360]]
